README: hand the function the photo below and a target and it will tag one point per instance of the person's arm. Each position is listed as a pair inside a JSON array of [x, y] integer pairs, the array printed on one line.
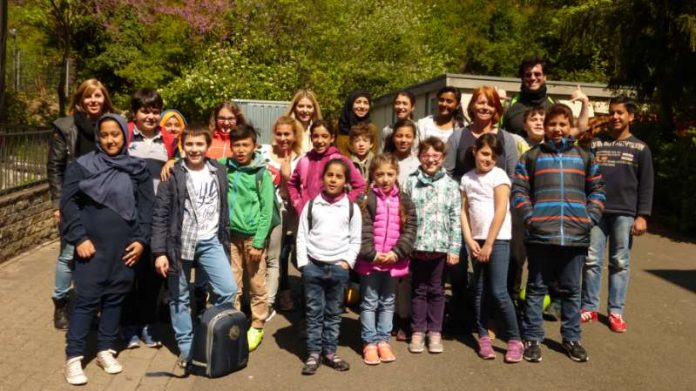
[[355, 226], [455, 224], [511, 155], [302, 239], [594, 188], [167, 169], [473, 245], [144, 202], [367, 245], [161, 213], [450, 163], [645, 192], [72, 230], [407, 239], [56, 165], [501, 195], [266, 204], [295, 188], [583, 121]]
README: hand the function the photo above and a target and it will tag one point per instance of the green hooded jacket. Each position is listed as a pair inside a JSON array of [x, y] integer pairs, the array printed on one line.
[[251, 208]]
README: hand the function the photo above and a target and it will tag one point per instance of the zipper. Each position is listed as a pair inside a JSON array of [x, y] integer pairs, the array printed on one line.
[[560, 161], [387, 201]]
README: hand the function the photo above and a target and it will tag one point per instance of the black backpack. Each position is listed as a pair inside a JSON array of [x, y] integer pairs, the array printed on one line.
[[220, 344]]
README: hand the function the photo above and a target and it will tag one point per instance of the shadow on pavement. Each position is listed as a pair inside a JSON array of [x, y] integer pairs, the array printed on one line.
[[683, 278]]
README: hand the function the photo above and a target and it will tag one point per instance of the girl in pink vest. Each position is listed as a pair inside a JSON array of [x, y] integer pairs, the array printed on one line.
[[388, 234], [306, 181]]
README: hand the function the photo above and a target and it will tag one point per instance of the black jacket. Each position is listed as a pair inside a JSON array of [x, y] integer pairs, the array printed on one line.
[[61, 151], [168, 215]]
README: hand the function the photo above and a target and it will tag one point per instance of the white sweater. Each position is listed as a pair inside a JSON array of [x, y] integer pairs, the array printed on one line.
[[333, 237]]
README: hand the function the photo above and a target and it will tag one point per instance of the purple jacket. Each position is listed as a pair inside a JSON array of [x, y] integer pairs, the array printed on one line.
[[306, 181], [383, 232]]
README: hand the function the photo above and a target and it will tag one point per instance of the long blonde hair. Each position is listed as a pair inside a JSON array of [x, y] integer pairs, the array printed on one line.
[[85, 89], [299, 95], [296, 130]]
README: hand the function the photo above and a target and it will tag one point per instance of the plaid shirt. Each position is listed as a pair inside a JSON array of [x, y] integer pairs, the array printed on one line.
[[189, 226]]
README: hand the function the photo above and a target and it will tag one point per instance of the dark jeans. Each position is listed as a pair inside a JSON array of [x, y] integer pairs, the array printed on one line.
[[324, 288], [428, 299], [85, 309], [141, 306], [549, 264], [490, 286], [518, 256], [458, 276]]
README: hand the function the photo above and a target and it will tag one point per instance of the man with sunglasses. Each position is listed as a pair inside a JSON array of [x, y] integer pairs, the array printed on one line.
[[533, 93]]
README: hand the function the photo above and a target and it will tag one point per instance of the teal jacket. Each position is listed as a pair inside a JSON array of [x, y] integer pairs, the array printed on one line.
[[251, 205]]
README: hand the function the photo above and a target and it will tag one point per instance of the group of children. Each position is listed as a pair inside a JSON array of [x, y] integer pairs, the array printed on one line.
[[397, 219]]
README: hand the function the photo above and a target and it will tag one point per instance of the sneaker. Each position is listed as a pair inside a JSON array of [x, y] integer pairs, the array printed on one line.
[[73, 371], [617, 324], [130, 335], [254, 336], [181, 367], [417, 344], [385, 352], [148, 337], [336, 362], [588, 316], [370, 355], [108, 362], [485, 348], [575, 351], [532, 351], [435, 342], [311, 364], [514, 351]]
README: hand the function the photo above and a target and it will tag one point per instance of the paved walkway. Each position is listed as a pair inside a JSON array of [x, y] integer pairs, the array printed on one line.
[[657, 353]]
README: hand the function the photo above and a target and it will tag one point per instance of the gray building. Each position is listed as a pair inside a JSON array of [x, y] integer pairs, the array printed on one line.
[[262, 114]]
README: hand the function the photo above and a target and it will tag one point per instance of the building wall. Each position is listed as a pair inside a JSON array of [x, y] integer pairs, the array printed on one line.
[[262, 115], [25, 221]]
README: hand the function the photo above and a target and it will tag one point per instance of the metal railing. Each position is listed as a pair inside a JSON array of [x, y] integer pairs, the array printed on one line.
[[23, 156]]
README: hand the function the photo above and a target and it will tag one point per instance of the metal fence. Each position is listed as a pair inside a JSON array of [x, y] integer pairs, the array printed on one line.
[[23, 156]]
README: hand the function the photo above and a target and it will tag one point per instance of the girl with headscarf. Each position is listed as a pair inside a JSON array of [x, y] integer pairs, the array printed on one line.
[[355, 110], [106, 208]]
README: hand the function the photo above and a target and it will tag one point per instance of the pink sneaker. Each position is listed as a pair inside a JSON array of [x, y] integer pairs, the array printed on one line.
[[515, 350], [485, 350]]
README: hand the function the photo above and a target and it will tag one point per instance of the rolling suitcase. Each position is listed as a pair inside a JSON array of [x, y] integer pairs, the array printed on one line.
[[220, 342]]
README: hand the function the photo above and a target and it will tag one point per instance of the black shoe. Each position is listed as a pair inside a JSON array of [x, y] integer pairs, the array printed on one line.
[[60, 313], [336, 363], [532, 351], [575, 351], [311, 365]]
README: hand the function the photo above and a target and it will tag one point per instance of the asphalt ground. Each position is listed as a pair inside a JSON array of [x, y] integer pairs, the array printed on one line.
[[657, 352]]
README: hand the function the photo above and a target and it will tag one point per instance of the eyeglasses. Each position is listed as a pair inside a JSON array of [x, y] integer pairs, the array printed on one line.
[[431, 156], [226, 119], [535, 74]]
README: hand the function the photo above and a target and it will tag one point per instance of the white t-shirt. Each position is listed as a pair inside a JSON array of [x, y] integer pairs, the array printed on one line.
[[480, 193], [406, 167], [428, 128], [207, 202]]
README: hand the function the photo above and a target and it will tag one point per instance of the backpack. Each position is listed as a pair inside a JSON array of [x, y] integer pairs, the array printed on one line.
[[309, 213], [275, 215]]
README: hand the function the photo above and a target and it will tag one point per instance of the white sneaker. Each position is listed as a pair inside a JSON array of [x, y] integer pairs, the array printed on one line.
[[108, 362], [73, 371]]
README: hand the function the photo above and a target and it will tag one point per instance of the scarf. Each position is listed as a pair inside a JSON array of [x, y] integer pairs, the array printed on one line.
[[109, 181], [348, 117], [533, 98]]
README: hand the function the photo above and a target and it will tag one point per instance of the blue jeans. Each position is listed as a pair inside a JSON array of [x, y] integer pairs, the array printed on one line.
[[212, 259], [617, 229], [324, 287], [549, 264], [378, 292], [490, 282], [63, 277]]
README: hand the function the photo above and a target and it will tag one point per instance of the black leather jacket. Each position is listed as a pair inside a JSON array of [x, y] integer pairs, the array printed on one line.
[[61, 151]]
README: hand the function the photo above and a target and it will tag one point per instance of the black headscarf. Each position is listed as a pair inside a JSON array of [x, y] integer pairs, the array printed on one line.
[[109, 182], [348, 117], [85, 133]]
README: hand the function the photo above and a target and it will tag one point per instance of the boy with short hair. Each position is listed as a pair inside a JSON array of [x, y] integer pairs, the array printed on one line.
[[190, 224], [559, 193], [362, 138], [146, 142], [250, 197], [626, 164]]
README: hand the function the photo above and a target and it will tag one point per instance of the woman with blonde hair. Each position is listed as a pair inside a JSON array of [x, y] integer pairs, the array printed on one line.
[[73, 136], [304, 107]]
